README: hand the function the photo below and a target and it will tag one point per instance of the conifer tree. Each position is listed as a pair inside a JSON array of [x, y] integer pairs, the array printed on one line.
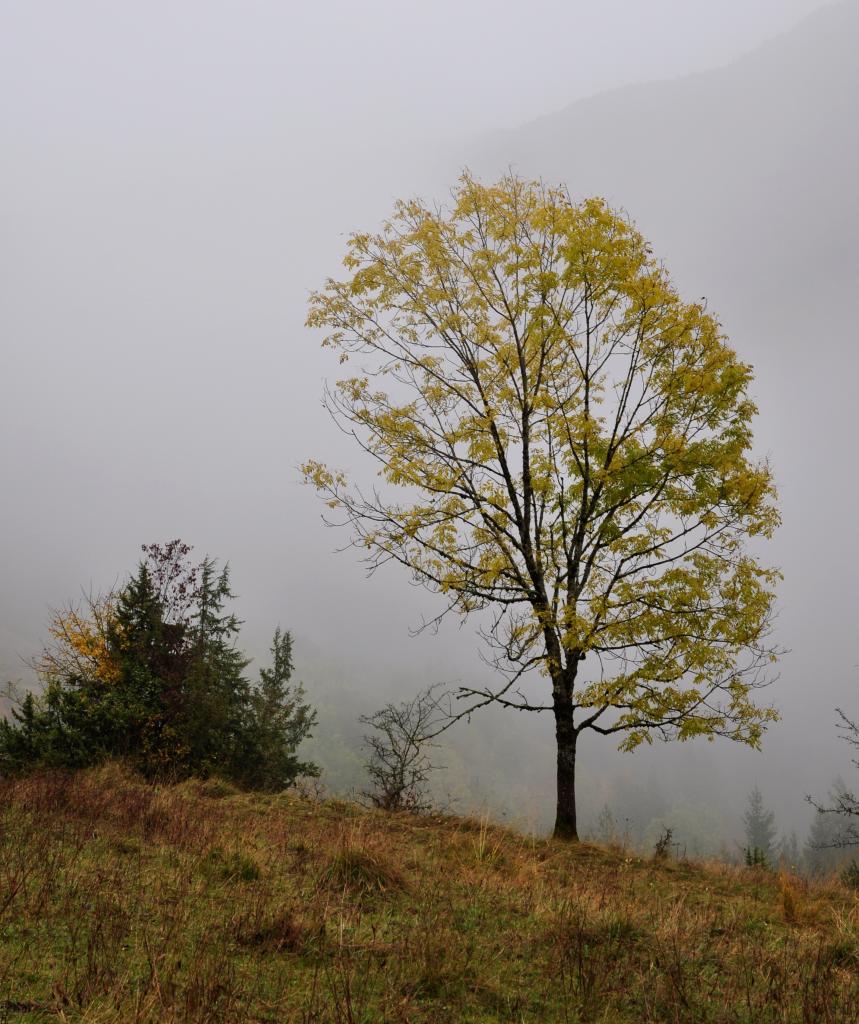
[[829, 833], [789, 852], [280, 719], [759, 825]]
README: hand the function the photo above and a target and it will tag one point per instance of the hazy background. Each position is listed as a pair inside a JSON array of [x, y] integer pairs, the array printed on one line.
[[176, 177]]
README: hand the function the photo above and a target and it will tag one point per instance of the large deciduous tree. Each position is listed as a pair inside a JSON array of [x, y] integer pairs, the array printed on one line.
[[563, 445]]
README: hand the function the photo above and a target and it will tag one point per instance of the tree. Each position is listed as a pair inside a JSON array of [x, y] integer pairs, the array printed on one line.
[[23, 737], [564, 449], [606, 830], [400, 764], [153, 674], [836, 826], [280, 720], [789, 852], [759, 826], [217, 695], [830, 833]]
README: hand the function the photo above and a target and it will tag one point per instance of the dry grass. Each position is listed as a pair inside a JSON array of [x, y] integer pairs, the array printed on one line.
[[123, 903]]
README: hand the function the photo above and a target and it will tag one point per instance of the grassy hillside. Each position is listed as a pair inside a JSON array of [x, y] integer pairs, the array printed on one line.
[[121, 902]]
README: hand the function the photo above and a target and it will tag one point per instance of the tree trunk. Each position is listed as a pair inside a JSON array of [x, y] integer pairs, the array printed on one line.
[[566, 735]]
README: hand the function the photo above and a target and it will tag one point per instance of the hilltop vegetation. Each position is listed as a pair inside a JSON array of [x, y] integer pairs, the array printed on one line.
[[123, 901], [152, 674]]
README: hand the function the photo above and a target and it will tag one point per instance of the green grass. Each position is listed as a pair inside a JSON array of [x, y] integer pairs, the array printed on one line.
[[121, 902]]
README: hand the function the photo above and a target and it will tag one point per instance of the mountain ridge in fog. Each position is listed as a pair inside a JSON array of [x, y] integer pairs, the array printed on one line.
[[761, 132]]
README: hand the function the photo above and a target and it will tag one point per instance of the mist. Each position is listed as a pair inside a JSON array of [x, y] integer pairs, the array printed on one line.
[[176, 180]]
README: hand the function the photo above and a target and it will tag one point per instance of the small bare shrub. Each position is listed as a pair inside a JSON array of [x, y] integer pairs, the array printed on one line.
[[662, 849], [399, 764]]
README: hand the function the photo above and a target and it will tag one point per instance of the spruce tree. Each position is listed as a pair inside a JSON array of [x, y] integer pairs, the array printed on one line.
[[217, 694], [280, 720], [789, 852], [759, 826], [828, 834]]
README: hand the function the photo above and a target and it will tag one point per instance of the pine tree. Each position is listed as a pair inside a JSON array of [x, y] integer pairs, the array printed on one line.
[[22, 737], [759, 826], [151, 658], [280, 720], [824, 848], [217, 694], [606, 830], [789, 852]]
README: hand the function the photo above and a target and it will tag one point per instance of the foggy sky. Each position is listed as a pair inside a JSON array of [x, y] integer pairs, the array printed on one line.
[[177, 177]]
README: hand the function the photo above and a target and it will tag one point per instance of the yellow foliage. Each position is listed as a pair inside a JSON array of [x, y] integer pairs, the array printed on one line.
[[80, 642], [561, 437]]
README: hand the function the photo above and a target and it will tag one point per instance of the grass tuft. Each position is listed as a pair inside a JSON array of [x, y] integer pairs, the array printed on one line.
[[362, 872], [229, 866]]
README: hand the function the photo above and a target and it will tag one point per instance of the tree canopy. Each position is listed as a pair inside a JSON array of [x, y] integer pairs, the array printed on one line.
[[563, 446]]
